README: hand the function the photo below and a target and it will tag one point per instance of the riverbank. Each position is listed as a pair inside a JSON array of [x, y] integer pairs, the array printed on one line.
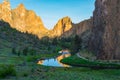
[[80, 62], [23, 69], [37, 72]]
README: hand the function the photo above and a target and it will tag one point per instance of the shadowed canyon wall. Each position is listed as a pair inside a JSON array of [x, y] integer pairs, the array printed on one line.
[[105, 39]]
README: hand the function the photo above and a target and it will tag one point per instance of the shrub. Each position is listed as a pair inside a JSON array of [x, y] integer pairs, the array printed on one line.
[[7, 70], [32, 52]]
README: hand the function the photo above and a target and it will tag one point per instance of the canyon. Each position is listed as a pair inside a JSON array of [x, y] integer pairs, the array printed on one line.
[[101, 33]]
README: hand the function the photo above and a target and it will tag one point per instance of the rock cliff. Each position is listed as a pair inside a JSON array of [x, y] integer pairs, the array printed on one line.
[[27, 21], [22, 19], [105, 39], [78, 29], [62, 26], [66, 28]]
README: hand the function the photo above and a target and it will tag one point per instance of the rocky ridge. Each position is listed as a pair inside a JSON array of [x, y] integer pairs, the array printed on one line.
[[28, 22], [22, 19]]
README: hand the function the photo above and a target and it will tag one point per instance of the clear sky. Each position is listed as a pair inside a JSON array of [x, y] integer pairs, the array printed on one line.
[[51, 11]]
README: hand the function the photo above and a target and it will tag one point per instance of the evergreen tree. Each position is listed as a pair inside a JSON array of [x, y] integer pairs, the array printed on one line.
[[55, 41], [19, 52], [77, 44], [14, 51], [25, 51]]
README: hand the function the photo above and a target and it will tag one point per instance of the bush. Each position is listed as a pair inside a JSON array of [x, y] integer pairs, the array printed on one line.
[[25, 51], [14, 51], [32, 52], [7, 70]]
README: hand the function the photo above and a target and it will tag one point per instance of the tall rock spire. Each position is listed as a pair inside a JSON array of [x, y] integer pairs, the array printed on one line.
[[63, 25]]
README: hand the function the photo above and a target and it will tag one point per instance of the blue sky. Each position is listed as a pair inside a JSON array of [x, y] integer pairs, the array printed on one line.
[[51, 11]]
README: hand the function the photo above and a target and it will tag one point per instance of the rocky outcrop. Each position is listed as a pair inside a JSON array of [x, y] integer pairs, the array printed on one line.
[[78, 29], [5, 11], [65, 28], [63, 25], [105, 39], [22, 19]]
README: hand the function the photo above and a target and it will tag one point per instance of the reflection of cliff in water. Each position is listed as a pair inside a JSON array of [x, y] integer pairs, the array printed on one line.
[[54, 61], [59, 58], [40, 62]]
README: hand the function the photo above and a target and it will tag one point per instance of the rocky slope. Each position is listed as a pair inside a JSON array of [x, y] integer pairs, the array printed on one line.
[[22, 19], [105, 39], [16, 39]]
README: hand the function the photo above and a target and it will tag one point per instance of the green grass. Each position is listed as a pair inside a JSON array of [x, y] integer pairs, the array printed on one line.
[[37, 72], [12, 68], [76, 61], [32, 71]]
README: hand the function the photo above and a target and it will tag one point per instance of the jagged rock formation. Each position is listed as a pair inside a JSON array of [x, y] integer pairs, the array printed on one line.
[[5, 12], [78, 29], [22, 19], [65, 28], [27, 21], [63, 25], [105, 39]]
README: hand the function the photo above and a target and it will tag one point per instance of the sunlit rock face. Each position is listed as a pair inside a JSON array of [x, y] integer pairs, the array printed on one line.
[[5, 12], [65, 28], [63, 25], [105, 40], [22, 19]]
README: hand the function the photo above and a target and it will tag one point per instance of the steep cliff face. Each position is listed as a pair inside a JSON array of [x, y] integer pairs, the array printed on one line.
[[65, 28], [63, 25], [105, 39], [27, 21], [22, 19], [78, 29], [5, 12]]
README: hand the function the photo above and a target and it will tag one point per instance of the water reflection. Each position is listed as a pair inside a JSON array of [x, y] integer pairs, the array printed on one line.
[[54, 61]]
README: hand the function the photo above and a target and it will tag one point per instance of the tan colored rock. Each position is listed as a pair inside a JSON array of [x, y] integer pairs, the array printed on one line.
[[5, 12], [27, 21], [63, 25], [22, 19]]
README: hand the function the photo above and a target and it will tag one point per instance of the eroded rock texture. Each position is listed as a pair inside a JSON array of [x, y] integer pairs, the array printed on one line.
[[105, 39], [22, 19]]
